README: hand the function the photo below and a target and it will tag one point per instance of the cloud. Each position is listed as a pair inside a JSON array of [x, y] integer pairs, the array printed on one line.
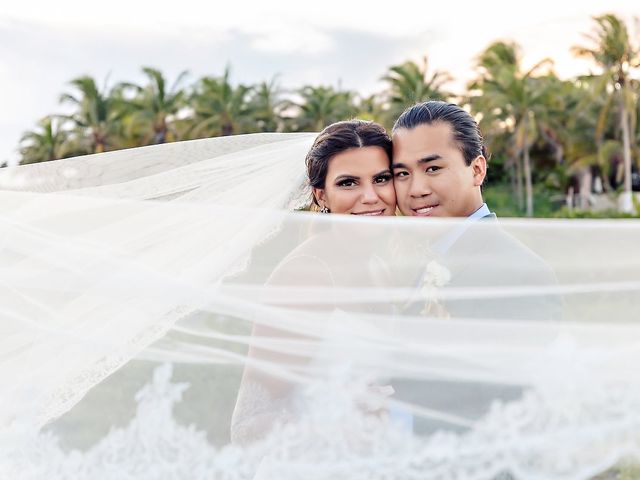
[[309, 41], [38, 60]]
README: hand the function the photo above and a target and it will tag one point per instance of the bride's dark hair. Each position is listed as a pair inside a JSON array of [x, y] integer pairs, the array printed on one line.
[[341, 136]]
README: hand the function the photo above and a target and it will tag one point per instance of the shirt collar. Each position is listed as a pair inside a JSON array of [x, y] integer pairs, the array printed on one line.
[[445, 243], [483, 211]]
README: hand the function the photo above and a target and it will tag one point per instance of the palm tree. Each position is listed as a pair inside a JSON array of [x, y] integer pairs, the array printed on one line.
[[267, 106], [372, 108], [517, 99], [153, 106], [613, 52], [410, 83], [219, 108], [98, 116], [321, 106], [48, 142], [582, 118]]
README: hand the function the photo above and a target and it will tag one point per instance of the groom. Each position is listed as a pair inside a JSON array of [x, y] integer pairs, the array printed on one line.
[[439, 166]]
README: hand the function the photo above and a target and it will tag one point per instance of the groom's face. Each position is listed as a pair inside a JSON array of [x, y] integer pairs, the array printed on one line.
[[431, 176]]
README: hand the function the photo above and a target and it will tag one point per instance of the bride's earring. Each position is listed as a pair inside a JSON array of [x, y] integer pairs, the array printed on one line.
[[324, 209]]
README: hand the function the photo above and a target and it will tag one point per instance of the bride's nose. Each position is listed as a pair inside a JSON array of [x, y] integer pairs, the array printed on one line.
[[369, 195]]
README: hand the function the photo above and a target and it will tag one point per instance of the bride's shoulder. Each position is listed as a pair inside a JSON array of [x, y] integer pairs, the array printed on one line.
[[304, 265]]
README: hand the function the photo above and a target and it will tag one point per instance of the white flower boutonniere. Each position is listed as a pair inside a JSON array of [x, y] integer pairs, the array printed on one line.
[[436, 276]]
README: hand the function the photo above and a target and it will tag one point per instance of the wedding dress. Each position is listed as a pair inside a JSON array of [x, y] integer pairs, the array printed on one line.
[[138, 287]]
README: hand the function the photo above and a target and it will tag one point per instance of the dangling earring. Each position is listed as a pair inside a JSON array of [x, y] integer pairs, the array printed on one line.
[[324, 209]]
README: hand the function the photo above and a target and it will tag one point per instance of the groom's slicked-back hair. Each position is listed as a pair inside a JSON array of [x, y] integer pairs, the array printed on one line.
[[466, 132]]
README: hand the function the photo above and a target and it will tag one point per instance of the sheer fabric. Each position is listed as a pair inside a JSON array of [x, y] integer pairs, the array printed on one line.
[[166, 313]]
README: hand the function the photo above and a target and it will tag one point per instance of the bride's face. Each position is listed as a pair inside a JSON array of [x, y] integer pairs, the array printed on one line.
[[359, 182]]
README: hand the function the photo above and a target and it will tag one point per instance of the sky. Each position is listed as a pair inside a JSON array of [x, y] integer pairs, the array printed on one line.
[[45, 44]]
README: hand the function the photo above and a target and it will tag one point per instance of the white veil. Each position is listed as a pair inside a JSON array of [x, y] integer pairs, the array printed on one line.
[[166, 313]]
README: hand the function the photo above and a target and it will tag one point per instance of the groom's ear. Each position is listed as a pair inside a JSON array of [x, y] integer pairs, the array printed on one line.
[[319, 195], [479, 169]]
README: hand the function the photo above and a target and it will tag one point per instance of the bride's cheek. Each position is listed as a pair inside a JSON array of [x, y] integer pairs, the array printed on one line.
[[391, 194]]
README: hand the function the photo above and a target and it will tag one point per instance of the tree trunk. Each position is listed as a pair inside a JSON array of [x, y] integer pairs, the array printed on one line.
[[527, 181], [99, 142], [227, 129], [519, 189], [159, 131], [527, 170], [159, 137], [626, 204], [513, 177], [586, 181], [568, 199]]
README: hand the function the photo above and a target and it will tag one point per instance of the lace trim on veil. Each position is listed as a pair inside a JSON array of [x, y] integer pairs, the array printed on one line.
[[335, 439]]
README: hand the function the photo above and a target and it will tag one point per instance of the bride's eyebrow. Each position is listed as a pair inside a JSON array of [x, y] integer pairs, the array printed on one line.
[[346, 177]]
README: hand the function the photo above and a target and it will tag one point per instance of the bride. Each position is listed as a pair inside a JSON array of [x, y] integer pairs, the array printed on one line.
[[143, 289], [349, 170]]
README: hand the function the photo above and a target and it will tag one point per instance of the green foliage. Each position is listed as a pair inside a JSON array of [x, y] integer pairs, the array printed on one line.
[[501, 200], [566, 213], [613, 51], [321, 106], [220, 108], [625, 471], [97, 121], [522, 101], [48, 142], [410, 83], [267, 107], [152, 107]]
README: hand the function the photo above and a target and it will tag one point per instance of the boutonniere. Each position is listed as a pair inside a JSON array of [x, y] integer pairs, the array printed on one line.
[[435, 277]]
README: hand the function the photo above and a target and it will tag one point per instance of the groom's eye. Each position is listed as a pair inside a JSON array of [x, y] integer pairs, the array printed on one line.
[[401, 173], [432, 168]]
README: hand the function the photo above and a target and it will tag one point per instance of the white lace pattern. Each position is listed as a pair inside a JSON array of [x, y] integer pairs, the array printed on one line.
[[335, 434]]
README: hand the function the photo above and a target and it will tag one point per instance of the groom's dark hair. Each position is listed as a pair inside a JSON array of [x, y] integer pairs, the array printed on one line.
[[466, 132]]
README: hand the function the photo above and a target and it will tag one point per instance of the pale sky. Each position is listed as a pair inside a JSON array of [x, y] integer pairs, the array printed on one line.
[[45, 44]]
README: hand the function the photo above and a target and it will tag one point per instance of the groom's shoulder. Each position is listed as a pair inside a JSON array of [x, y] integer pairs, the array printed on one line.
[[492, 246], [516, 256], [501, 242]]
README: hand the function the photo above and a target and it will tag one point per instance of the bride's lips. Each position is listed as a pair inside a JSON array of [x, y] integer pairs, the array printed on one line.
[[424, 211], [371, 213]]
